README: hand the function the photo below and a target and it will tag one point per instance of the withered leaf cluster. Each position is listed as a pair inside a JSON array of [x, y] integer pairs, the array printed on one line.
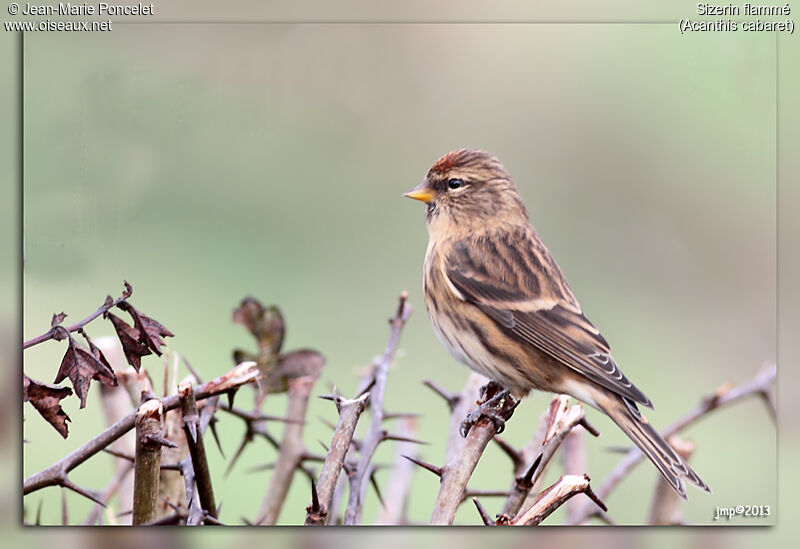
[[268, 327], [277, 369], [145, 332], [46, 399], [265, 323], [82, 364]]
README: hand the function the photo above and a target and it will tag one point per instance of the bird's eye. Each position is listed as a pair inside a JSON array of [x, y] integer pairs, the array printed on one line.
[[455, 183]]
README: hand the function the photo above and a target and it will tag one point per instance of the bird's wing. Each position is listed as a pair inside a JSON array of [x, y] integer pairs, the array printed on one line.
[[514, 280]]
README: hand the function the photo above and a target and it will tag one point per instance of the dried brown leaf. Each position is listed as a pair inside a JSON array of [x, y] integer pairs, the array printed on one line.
[[265, 323], [98, 354], [156, 331], [45, 399], [82, 367], [304, 362], [57, 319], [130, 338], [240, 356], [151, 331]]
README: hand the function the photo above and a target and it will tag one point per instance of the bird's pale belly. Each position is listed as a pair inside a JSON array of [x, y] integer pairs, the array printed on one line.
[[465, 347]]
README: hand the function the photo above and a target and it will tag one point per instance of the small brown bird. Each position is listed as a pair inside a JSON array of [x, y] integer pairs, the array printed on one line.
[[500, 304]]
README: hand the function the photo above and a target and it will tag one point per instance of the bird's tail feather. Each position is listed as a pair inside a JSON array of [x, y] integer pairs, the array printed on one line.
[[671, 465]]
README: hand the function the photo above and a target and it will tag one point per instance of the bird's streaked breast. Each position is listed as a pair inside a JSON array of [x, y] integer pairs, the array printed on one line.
[[462, 328]]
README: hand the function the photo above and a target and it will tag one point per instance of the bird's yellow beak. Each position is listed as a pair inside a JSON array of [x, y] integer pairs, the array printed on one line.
[[421, 192]]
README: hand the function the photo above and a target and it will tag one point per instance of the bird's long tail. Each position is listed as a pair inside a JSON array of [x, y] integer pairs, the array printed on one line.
[[625, 414]]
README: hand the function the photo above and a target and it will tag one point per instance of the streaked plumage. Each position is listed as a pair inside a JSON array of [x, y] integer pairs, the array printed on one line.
[[500, 304]]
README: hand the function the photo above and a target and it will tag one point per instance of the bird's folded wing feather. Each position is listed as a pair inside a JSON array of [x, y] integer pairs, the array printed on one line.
[[514, 280]]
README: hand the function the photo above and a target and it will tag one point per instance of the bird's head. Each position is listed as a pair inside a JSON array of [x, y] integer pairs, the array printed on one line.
[[467, 189]]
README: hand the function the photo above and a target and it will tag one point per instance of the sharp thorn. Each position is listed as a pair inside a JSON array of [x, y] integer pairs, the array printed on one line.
[[589, 427], [514, 454], [374, 483], [400, 438], [487, 520], [528, 478], [425, 465], [67, 483], [596, 499], [213, 426], [314, 497]]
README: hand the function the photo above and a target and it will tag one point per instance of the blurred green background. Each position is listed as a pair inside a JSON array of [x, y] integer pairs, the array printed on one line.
[[203, 163]]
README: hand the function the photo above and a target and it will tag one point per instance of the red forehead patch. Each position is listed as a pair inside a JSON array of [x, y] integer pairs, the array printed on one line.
[[445, 163]]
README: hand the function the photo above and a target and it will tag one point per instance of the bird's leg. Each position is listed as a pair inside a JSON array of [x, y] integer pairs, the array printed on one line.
[[489, 391], [496, 404]]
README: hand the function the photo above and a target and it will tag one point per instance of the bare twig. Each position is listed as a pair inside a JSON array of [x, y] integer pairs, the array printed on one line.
[[292, 450], [760, 385], [56, 332], [194, 515], [252, 428], [361, 475], [522, 487], [334, 516], [451, 399], [460, 404], [172, 487], [666, 507], [552, 498], [399, 415], [349, 412], [457, 472], [516, 457], [147, 466], [573, 459], [134, 383], [469, 493], [112, 488], [197, 450], [117, 404], [173, 519], [396, 500], [64, 510], [526, 460], [56, 474], [253, 416], [561, 420]]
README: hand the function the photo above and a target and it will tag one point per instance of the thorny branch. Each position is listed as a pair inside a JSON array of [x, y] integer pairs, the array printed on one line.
[[395, 508], [573, 460], [147, 465], [460, 404], [57, 474], [108, 493], [292, 449], [761, 385], [57, 331], [562, 426], [197, 450], [322, 494], [375, 434], [552, 498], [195, 513], [561, 420], [456, 473]]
